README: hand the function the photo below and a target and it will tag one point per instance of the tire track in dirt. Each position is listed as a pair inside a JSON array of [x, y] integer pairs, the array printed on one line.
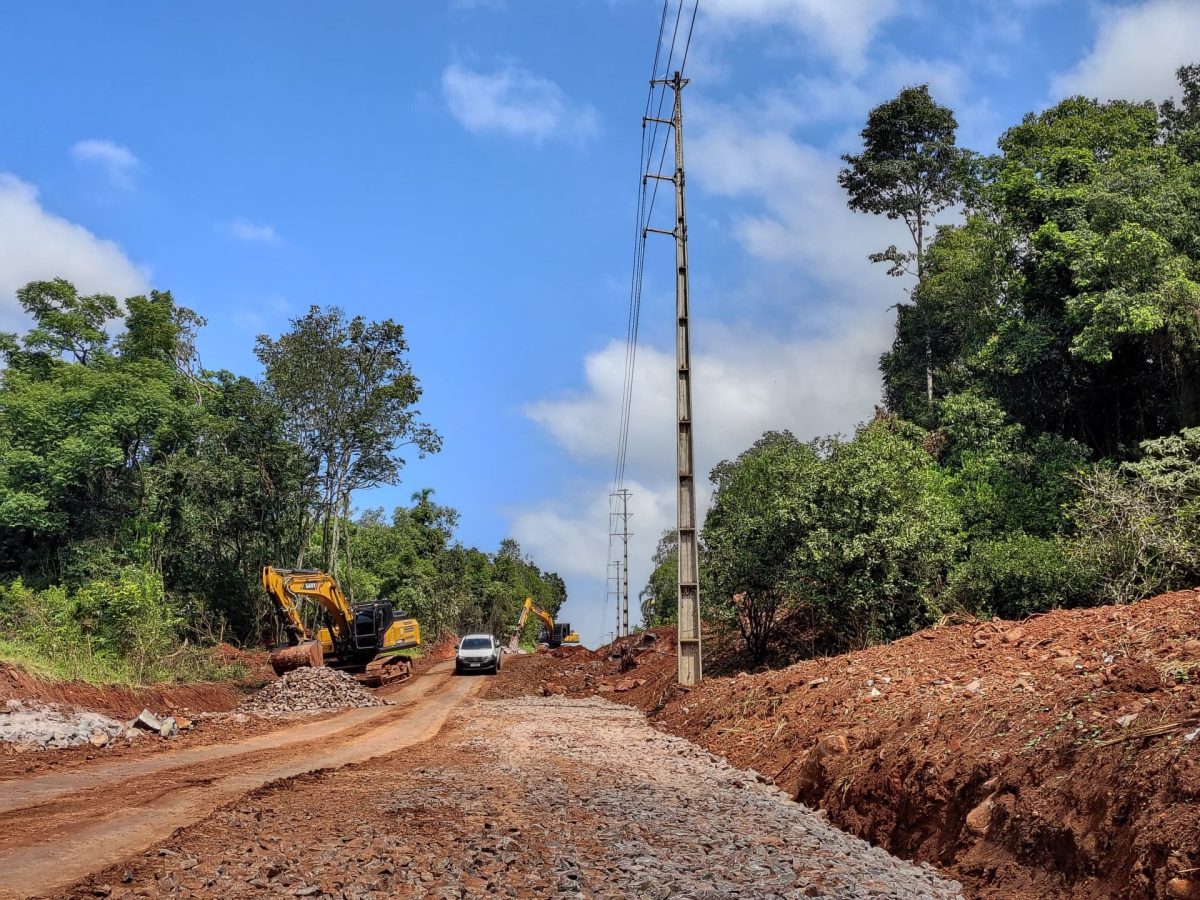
[[60, 827]]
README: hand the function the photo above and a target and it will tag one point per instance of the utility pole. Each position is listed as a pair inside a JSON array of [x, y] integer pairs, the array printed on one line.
[[690, 667], [617, 591], [623, 591]]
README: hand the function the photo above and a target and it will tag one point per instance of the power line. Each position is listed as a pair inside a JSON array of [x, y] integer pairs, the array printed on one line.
[[644, 211]]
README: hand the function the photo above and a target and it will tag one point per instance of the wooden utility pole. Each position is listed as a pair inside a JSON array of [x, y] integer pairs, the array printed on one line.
[[690, 666]]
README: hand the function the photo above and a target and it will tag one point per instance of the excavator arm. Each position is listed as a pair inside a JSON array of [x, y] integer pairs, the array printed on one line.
[[285, 604], [286, 587], [555, 636]]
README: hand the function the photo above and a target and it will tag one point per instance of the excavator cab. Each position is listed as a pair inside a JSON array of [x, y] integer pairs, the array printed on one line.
[[371, 622]]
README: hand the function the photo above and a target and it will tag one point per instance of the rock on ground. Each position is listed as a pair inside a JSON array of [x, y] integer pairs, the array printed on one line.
[[42, 726], [523, 798], [306, 690]]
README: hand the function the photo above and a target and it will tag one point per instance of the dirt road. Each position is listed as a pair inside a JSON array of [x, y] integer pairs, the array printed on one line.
[[520, 798], [60, 827], [442, 795]]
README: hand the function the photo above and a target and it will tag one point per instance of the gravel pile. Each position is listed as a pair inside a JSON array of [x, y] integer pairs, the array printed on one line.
[[40, 726], [309, 690]]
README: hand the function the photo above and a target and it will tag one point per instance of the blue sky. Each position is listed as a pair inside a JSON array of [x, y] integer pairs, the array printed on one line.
[[468, 168]]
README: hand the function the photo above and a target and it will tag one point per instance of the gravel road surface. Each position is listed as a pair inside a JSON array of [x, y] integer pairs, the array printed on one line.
[[521, 798]]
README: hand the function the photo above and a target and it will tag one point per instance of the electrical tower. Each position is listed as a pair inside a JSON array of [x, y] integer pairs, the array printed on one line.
[[690, 667], [623, 599], [616, 591]]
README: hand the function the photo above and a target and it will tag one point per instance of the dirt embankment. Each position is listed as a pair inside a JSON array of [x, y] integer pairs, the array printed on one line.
[[1059, 757], [117, 700]]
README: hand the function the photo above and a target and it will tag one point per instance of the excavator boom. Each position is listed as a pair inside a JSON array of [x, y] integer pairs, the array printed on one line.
[[557, 634]]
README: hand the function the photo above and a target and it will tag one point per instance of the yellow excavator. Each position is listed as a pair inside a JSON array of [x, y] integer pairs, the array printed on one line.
[[554, 634], [361, 638]]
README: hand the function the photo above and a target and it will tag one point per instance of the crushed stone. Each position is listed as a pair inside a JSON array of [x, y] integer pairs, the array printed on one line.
[[47, 726], [309, 690]]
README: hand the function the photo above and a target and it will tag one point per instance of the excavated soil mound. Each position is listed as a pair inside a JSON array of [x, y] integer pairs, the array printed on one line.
[[1058, 757], [444, 648], [309, 690], [117, 701]]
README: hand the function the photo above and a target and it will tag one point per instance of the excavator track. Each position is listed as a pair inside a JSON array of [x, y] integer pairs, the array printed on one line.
[[385, 670]]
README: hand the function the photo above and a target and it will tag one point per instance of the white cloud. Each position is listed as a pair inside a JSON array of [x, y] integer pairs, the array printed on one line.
[[1136, 52], [513, 101], [841, 29], [252, 232], [797, 213], [116, 160], [36, 244], [745, 383]]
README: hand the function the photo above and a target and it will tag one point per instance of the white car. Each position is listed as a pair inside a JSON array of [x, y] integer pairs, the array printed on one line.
[[477, 653]]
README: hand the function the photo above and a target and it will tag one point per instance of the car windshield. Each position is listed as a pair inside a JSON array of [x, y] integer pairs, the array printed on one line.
[[476, 644]]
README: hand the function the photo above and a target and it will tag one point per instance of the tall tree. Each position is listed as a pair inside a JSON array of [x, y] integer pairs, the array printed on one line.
[[1071, 293], [350, 397], [910, 169]]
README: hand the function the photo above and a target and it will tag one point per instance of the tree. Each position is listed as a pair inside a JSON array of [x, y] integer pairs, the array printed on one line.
[[1070, 294], [349, 395], [910, 169], [855, 536], [66, 323], [761, 507], [660, 597]]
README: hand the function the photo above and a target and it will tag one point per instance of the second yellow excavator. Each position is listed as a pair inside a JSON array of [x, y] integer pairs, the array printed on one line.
[[554, 634], [361, 638]]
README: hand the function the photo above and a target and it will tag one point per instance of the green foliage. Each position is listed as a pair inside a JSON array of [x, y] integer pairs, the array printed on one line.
[[123, 630], [1137, 526], [1070, 295], [1003, 481], [1018, 574], [859, 534]]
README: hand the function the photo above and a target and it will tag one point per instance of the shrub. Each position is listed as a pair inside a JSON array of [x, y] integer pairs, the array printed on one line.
[[120, 630], [1019, 574]]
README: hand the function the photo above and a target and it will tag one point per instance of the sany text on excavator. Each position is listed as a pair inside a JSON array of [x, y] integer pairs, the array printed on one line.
[[361, 638], [554, 634]]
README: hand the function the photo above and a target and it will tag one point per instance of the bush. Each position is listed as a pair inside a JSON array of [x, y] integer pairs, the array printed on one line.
[[856, 534], [123, 630], [1017, 575]]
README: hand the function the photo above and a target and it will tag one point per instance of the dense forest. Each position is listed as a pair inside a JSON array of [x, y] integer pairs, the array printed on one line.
[[1038, 443], [141, 494]]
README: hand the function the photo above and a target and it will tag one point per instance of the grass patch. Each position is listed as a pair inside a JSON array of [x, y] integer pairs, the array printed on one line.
[[187, 665]]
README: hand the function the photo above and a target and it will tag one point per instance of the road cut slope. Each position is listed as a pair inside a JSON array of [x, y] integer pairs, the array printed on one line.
[[1054, 758]]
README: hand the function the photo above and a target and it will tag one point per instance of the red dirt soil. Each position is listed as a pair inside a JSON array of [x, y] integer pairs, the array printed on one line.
[[118, 701], [1046, 759]]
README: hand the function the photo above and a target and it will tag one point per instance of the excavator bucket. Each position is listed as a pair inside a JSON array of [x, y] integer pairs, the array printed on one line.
[[303, 655]]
